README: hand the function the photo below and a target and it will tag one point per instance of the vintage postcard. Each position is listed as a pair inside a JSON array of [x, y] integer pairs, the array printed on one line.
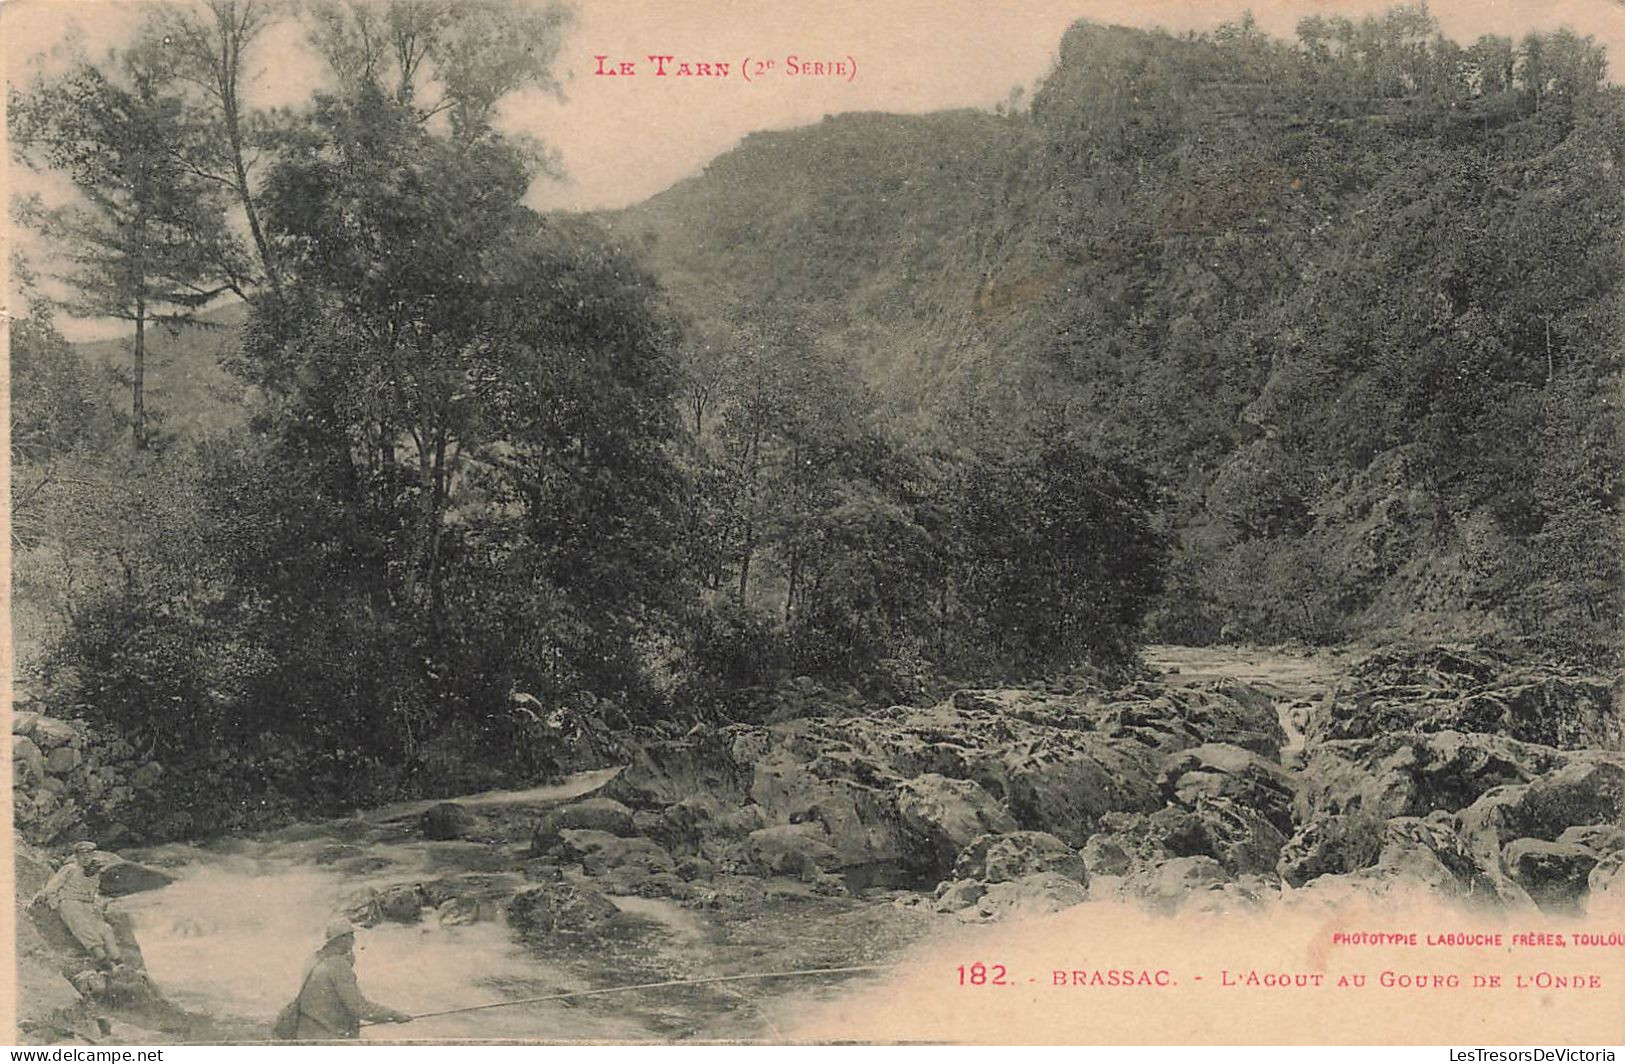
[[601, 521]]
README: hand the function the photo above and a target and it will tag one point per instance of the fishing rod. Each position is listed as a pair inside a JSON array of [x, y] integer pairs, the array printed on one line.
[[651, 986]]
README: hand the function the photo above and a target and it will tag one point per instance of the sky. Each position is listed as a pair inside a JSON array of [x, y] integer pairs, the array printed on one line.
[[623, 139]]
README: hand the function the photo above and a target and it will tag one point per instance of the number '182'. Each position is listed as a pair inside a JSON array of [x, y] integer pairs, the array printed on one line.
[[980, 974]]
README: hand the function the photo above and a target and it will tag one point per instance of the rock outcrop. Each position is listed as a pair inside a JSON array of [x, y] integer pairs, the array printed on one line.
[[1464, 772], [71, 782], [1457, 770]]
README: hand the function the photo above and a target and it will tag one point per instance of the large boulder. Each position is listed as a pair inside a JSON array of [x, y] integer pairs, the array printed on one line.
[[717, 761], [1419, 854], [1607, 879], [599, 852], [699, 822], [1221, 771], [1238, 837], [47, 732], [447, 821], [558, 908], [1414, 774], [848, 794], [121, 877], [592, 814], [1555, 874], [1018, 854], [1037, 894], [944, 815], [1586, 791], [800, 850], [28, 761], [1332, 845], [1472, 690], [1064, 784], [1167, 886]]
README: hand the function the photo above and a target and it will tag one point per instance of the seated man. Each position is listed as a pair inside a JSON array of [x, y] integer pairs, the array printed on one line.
[[74, 893]]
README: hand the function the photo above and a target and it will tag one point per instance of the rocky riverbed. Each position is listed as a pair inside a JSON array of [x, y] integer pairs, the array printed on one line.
[[1232, 782]]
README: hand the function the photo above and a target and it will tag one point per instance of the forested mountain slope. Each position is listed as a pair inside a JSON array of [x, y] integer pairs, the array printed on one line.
[[1353, 300]]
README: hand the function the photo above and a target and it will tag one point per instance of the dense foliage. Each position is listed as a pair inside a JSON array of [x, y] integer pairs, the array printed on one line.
[[1352, 299], [1226, 338]]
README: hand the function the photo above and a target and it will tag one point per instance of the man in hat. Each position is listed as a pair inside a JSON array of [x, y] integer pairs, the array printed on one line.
[[330, 1004], [74, 892]]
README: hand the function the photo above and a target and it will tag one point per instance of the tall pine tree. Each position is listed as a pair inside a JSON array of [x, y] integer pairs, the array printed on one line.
[[144, 240]]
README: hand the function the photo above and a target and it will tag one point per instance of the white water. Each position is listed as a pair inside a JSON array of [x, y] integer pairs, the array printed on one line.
[[232, 937]]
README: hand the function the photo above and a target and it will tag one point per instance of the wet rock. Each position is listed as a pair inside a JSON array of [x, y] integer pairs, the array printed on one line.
[[1607, 879], [1600, 839], [1037, 894], [1429, 851], [1066, 785], [447, 821], [1178, 718], [1167, 886], [859, 818], [473, 897], [714, 761], [945, 815], [801, 850], [952, 895], [599, 852], [595, 814], [904, 786], [1555, 874], [1586, 791], [1418, 854], [1470, 690], [558, 908], [700, 819], [1015, 855], [399, 904], [1215, 771], [28, 761], [1332, 845], [121, 877], [1414, 774], [1236, 836]]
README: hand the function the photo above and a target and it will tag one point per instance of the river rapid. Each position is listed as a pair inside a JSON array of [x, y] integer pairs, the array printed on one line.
[[228, 942]]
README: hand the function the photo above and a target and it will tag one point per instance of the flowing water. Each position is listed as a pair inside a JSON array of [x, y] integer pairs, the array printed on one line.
[[230, 939]]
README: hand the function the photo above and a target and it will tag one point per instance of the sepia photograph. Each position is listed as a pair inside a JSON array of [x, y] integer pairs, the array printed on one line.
[[599, 521]]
